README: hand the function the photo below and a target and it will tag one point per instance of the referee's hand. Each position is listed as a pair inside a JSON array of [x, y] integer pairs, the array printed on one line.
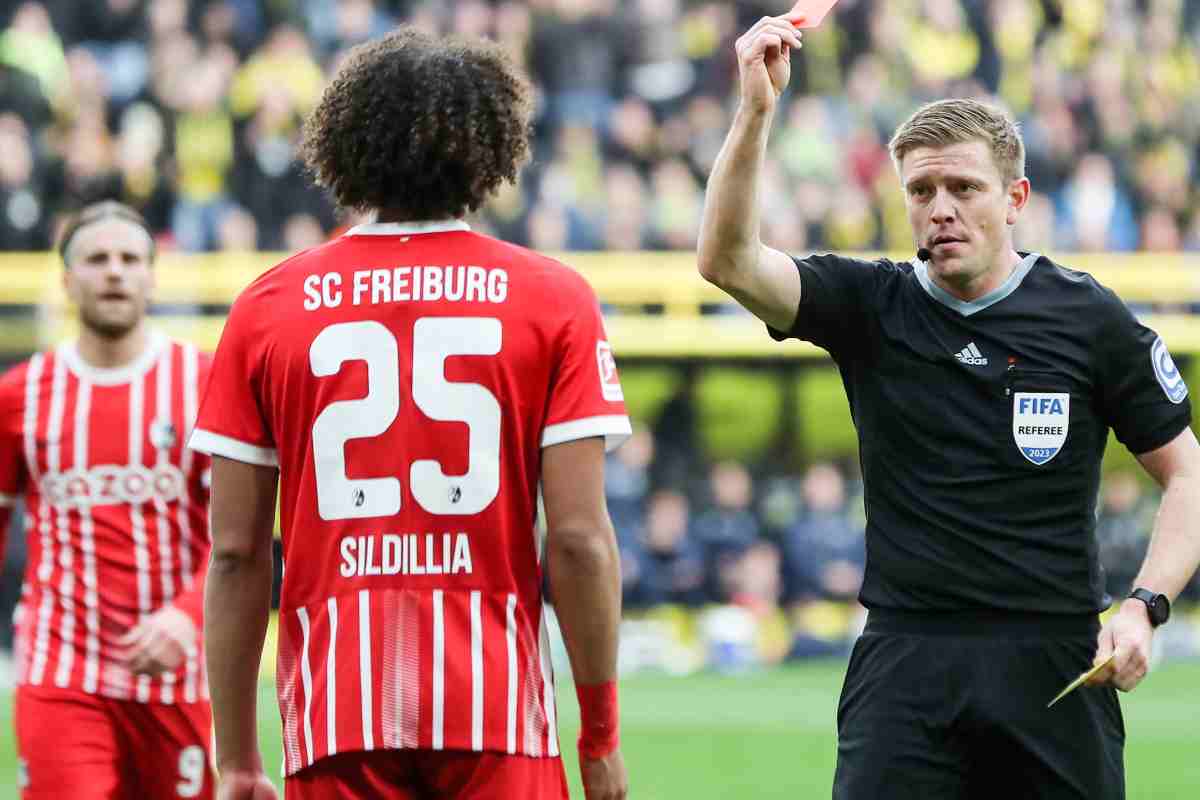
[[764, 61], [1128, 634]]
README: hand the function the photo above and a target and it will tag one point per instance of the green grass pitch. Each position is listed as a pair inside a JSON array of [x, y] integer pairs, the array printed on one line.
[[771, 735]]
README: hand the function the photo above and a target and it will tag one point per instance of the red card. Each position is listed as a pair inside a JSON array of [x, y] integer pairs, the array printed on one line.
[[813, 10]]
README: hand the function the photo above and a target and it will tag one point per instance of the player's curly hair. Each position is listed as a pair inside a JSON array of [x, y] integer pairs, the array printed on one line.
[[421, 126]]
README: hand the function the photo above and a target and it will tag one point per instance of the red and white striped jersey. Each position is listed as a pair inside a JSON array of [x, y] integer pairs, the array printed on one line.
[[116, 512], [404, 379]]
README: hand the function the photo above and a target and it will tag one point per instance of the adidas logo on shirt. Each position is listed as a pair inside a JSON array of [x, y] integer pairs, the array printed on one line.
[[971, 355]]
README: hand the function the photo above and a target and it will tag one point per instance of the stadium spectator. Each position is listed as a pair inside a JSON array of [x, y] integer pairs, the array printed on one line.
[[21, 94], [285, 64], [1095, 210], [112, 32], [139, 162], [412, 600], [627, 482], [669, 565], [265, 177], [23, 215], [823, 551], [204, 153], [577, 58], [754, 579], [625, 223], [31, 43], [237, 230], [727, 526]]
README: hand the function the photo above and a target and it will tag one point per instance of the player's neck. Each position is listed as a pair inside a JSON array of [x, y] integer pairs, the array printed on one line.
[[986, 283], [104, 352], [387, 215], [396, 216]]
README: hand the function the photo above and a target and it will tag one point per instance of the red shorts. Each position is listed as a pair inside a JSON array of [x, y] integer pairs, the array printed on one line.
[[427, 774], [88, 747]]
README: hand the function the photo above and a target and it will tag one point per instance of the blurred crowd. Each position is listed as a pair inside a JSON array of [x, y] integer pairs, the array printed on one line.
[[190, 111]]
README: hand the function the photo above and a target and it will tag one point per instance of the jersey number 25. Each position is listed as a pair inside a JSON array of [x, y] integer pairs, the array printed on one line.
[[434, 339]]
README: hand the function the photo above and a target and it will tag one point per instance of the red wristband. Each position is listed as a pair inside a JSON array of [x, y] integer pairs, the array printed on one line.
[[598, 734]]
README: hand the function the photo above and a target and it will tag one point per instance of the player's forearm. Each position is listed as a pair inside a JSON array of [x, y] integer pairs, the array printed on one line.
[[237, 603], [729, 244], [1174, 552], [585, 585]]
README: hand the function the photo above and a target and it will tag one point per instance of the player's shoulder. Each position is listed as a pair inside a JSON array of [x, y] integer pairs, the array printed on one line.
[[189, 351], [863, 276], [256, 309], [14, 379], [282, 274], [538, 265], [885, 269], [877, 267], [1065, 285], [539, 280], [14, 375]]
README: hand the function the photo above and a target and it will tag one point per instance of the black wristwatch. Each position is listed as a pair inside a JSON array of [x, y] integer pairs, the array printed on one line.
[[1157, 605]]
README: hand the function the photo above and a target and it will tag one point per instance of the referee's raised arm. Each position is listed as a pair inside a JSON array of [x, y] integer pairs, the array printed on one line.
[[730, 253]]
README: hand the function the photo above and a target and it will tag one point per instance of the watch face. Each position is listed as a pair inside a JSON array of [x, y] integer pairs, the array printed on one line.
[[1160, 609]]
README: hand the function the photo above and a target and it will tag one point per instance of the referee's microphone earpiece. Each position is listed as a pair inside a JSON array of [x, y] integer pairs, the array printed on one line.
[[924, 254]]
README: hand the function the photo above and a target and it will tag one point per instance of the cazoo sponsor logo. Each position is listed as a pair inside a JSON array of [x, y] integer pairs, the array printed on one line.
[[109, 484]]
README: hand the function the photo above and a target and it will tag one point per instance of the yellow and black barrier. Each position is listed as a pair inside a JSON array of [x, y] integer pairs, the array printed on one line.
[[660, 307]]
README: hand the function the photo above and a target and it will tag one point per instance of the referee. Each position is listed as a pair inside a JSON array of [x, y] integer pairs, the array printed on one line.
[[983, 382]]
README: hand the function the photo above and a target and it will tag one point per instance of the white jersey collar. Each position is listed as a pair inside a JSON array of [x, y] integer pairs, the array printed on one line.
[[111, 376], [967, 308], [408, 228]]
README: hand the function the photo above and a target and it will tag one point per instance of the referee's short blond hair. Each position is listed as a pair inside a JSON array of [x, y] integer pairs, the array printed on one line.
[[958, 120]]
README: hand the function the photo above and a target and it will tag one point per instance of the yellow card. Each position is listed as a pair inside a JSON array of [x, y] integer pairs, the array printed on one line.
[[1081, 680]]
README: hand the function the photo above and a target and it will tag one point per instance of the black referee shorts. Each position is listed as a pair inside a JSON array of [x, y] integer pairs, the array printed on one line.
[[953, 707]]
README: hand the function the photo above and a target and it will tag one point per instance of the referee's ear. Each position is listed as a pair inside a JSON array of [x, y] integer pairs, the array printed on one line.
[[1018, 196]]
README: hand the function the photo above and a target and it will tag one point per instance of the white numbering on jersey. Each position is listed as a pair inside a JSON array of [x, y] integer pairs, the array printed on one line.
[[434, 340], [339, 497], [192, 766]]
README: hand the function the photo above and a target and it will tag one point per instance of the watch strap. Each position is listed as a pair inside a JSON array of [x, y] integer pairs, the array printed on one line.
[[1157, 607]]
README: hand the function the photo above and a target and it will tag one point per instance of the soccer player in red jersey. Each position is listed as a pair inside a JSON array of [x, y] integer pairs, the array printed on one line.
[[407, 385], [111, 697]]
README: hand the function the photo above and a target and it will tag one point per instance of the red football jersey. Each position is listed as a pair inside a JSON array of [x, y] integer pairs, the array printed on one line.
[[405, 378], [116, 512]]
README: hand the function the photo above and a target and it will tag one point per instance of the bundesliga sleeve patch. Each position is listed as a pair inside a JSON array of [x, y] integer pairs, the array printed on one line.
[[610, 384], [1169, 376]]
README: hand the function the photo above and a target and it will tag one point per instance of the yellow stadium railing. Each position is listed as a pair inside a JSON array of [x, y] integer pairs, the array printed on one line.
[[658, 300]]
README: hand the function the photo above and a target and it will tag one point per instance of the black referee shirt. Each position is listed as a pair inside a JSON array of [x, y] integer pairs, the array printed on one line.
[[981, 425]]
